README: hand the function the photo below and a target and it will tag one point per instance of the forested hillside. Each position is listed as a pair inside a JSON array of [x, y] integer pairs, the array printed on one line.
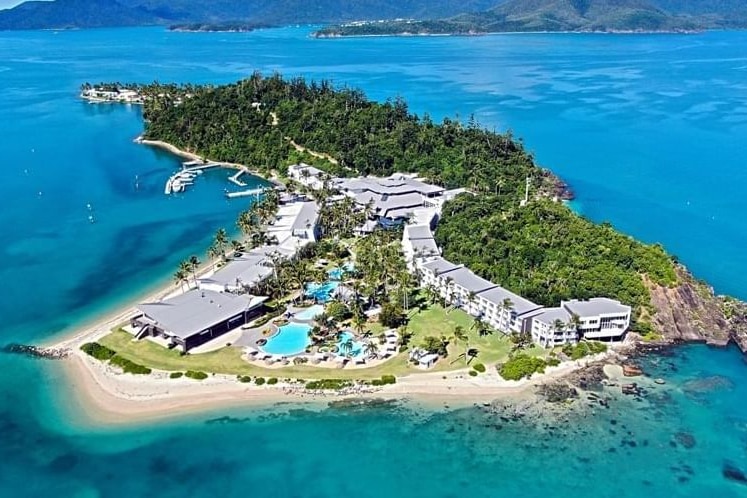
[[234, 123], [97, 13]]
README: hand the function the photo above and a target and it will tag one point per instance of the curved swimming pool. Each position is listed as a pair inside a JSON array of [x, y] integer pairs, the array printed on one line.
[[291, 339]]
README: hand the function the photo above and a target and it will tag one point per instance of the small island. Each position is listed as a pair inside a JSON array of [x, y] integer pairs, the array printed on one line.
[[394, 256], [219, 27]]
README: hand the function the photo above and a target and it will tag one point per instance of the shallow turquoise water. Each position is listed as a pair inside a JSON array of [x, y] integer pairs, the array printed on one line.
[[357, 347], [321, 292], [647, 129], [310, 312], [292, 339]]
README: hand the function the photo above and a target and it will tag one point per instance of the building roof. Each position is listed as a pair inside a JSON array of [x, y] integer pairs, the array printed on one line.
[[425, 247], [596, 306], [389, 186], [413, 232], [519, 304], [463, 277], [306, 217], [247, 269], [549, 315], [439, 266], [303, 166], [194, 311]]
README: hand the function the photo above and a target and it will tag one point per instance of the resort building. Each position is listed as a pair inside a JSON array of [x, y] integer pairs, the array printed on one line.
[[600, 318], [242, 272], [307, 175], [391, 200], [553, 327], [498, 307], [418, 243], [295, 225], [597, 318], [296, 219], [195, 317]]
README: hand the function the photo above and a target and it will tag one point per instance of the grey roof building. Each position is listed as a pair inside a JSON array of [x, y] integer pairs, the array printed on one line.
[[196, 316], [520, 305]]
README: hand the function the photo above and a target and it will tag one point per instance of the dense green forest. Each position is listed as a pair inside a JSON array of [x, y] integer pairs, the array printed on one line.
[[235, 123], [542, 250], [546, 253]]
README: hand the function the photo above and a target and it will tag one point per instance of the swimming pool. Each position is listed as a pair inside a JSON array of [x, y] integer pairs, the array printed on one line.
[[321, 292], [357, 350], [338, 273], [292, 339], [310, 313]]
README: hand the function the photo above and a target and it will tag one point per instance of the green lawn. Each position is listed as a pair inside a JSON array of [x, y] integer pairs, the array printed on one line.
[[435, 321]]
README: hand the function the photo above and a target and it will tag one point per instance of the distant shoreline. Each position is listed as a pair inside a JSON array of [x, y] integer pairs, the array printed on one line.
[[406, 34]]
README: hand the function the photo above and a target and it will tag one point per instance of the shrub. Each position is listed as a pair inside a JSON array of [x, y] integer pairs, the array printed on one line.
[[129, 367], [245, 379], [553, 362], [472, 373], [584, 348], [338, 311], [272, 381], [196, 375], [175, 375], [268, 316], [384, 380], [392, 315], [521, 366], [259, 381], [98, 351], [479, 367], [334, 384]]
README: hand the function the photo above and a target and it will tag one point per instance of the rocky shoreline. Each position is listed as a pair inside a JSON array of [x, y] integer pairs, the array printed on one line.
[[692, 312]]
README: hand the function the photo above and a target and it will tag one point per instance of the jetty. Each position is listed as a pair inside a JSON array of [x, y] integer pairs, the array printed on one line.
[[236, 178], [179, 181], [246, 193]]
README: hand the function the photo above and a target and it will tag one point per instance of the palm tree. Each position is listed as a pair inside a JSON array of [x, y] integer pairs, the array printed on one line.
[[220, 241], [371, 350], [506, 306], [359, 321], [458, 336], [449, 289], [180, 277], [480, 327], [471, 299], [194, 263], [184, 269], [346, 347], [237, 246]]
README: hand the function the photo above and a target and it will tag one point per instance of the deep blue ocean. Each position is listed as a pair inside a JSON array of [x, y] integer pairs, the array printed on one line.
[[649, 130]]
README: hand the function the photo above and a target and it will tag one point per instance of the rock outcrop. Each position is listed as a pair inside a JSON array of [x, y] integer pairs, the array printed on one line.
[[692, 312]]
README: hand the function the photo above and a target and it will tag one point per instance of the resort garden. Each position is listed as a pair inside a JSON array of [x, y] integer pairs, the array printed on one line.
[[350, 298]]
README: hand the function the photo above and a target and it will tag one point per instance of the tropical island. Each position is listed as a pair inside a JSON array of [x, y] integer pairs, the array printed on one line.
[[219, 27], [395, 245]]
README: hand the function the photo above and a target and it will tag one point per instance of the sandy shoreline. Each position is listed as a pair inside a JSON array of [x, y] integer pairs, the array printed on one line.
[[108, 397]]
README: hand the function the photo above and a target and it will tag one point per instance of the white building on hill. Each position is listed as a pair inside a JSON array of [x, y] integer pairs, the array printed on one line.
[[600, 318], [553, 327], [307, 175]]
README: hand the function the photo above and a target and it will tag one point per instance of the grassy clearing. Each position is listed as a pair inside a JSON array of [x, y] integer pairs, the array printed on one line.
[[433, 321]]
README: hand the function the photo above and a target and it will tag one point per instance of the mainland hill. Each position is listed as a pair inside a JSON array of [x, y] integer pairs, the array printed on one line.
[[566, 16], [60, 14], [384, 17]]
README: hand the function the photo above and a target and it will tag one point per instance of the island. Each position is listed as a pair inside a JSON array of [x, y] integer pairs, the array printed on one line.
[[395, 256], [219, 27]]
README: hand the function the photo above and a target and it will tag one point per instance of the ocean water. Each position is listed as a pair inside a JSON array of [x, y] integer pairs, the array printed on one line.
[[648, 130]]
